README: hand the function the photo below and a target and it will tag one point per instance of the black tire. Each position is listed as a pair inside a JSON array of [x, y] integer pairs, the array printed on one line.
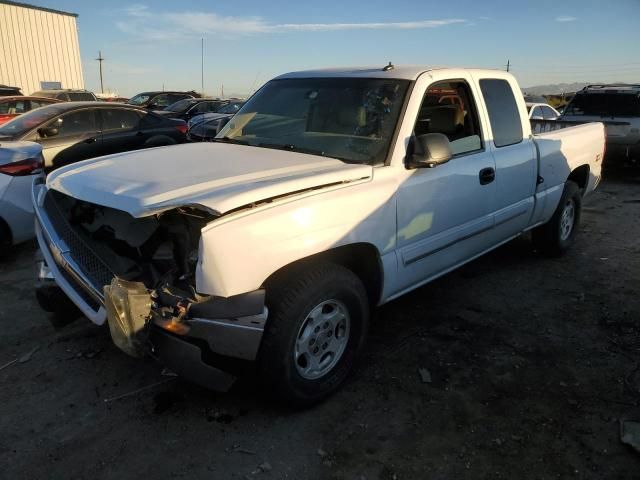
[[290, 299], [52, 299], [6, 242], [551, 238]]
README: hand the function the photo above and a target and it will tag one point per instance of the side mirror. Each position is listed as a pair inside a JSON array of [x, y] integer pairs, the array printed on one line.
[[48, 132], [432, 149]]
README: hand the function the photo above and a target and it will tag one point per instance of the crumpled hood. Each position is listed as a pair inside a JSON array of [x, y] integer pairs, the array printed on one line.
[[220, 177]]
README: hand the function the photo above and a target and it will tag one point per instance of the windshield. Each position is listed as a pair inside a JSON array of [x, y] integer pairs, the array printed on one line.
[[180, 106], [139, 99], [352, 119], [27, 121], [605, 105], [230, 108]]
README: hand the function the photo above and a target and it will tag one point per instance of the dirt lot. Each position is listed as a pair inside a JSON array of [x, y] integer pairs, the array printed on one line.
[[533, 361]]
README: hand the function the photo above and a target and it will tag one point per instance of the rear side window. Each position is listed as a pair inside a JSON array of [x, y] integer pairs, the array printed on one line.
[[548, 113], [503, 112], [605, 104], [119, 119]]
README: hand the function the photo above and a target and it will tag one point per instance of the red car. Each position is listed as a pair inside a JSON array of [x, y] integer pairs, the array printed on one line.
[[11, 107]]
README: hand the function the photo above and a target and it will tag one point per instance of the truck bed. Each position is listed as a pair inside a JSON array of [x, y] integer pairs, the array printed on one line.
[[568, 146]]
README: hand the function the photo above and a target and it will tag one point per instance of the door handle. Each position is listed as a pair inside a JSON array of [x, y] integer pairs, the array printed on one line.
[[139, 134], [487, 175], [91, 140]]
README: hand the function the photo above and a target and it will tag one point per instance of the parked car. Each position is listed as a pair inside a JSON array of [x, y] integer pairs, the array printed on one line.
[[11, 107], [67, 95], [328, 193], [7, 91], [541, 111], [207, 125], [20, 163], [73, 131], [618, 106], [189, 107], [159, 100]]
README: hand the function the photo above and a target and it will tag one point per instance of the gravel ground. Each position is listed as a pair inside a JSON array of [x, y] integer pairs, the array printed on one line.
[[533, 364]]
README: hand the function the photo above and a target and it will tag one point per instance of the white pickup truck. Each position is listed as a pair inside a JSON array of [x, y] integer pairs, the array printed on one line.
[[329, 193]]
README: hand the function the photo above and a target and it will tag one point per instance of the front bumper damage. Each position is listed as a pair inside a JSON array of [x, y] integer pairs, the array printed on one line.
[[204, 341]]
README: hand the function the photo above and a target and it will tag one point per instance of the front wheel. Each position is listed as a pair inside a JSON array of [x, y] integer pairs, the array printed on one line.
[[556, 236], [318, 319]]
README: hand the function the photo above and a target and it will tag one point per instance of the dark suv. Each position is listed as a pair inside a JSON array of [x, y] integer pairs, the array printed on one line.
[[67, 95], [159, 100], [7, 91]]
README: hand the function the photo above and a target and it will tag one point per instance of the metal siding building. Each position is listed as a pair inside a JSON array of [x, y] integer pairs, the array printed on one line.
[[38, 45]]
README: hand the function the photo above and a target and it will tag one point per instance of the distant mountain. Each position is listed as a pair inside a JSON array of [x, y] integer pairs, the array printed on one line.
[[556, 88]]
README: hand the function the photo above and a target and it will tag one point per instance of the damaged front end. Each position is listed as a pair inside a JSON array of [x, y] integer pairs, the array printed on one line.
[[142, 272]]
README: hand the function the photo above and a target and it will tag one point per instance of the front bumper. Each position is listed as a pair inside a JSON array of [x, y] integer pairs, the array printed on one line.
[[236, 337]]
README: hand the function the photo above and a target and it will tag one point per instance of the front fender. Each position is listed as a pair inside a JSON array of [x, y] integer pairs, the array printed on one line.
[[240, 251]]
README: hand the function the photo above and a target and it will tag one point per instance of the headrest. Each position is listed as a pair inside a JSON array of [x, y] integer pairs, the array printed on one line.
[[446, 119], [352, 115]]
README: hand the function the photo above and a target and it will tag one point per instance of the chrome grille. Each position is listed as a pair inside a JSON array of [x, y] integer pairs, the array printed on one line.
[[97, 271]]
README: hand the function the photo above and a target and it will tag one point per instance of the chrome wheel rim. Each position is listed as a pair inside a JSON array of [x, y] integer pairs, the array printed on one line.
[[322, 339], [567, 219]]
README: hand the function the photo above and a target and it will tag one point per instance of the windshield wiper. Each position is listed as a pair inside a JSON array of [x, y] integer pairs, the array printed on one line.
[[229, 140], [292, 148]]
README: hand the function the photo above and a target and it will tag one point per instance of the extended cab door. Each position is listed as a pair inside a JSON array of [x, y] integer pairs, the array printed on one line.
[[514, 154], [445, 213]]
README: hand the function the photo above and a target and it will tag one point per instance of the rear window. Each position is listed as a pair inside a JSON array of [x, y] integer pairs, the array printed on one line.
[[81, 96], [605, 105], [506, 124]]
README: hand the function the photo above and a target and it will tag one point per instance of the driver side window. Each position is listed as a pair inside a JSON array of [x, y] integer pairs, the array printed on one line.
[[448, 108], [161, 100], [74, 123]]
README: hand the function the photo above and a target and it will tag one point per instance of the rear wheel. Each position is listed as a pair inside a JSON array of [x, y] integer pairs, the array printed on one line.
[[557, 235], [318, 319]]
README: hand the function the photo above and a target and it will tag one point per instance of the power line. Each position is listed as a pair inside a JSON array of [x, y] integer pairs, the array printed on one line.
[[100, 59]]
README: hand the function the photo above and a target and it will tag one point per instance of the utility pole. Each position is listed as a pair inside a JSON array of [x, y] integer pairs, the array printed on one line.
[[202, 67], [222, 91], [100, 60], [508, 65]]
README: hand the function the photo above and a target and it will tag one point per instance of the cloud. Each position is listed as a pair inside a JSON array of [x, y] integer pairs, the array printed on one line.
[[142, 22], [565, 18]]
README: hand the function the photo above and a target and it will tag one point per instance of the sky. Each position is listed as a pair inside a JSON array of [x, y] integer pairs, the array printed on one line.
[[157, 44]]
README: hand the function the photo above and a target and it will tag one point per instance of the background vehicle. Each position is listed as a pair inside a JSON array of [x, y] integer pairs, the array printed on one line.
[[189, 107], [328, 193], [159, 100], [11, 107], [67, 95], [541, 111], [618, 106], [7, 91], [74, 131], [206, 126], [20, 162]]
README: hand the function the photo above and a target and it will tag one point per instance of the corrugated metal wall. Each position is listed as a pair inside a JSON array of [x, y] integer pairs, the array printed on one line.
[[38, 46]]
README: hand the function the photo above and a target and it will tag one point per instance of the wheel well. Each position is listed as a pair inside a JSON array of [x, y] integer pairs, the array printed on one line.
[[580, 176], [362, 259]]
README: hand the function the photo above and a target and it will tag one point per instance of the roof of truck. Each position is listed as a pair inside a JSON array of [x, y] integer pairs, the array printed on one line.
[[405, 72]]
